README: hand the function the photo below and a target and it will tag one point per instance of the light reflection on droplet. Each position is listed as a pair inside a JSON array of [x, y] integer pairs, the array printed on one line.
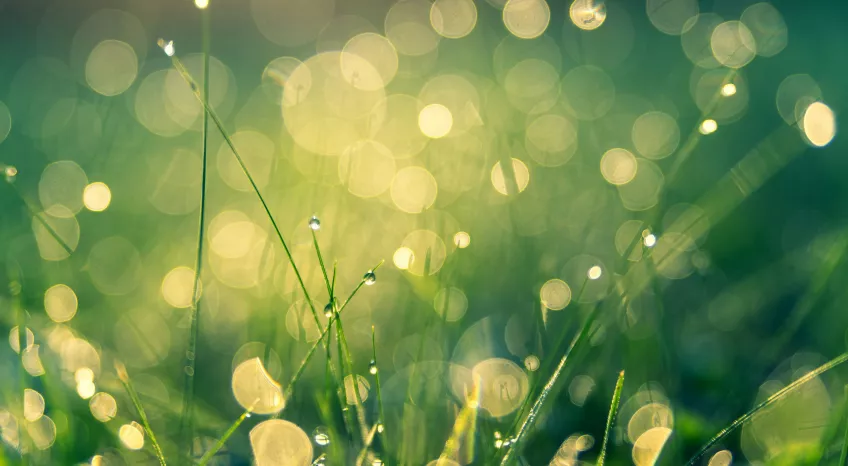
[[435, 121], [819, 124], [708, 126], [97, 196], [462, 239], [728, 89], [403, 258], [594, 272], [588, 14]]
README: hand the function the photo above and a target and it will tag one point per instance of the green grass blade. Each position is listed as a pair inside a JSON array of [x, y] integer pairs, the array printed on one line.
[[186, 421], [223, 440], [128, 387], [32, 211], [321, 263], [381, 413], [765, 404], [616, 399], [530, 419]]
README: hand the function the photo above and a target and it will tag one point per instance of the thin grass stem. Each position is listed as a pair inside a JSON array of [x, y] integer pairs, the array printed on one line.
[[128, 387], [616, 399], [223, 440], [186, 419], [765, 404], [381, 413]]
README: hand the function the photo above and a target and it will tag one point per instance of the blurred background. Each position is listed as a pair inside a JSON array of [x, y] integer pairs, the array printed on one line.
[[674, 164]]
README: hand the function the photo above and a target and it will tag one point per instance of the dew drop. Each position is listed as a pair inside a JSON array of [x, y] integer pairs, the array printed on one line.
[[10, 172], [314, 223], [370, 277], [380, 427], [328, 310], [372, 367], [321, 436], [189, 371], [594, 272], [167, 47]]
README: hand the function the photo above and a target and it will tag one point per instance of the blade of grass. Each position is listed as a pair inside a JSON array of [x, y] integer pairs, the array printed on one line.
[[32, 212], [616, 398], [381, 413], [223, 440], [521, 436], [128, 387], [186, 419], [765, 404]]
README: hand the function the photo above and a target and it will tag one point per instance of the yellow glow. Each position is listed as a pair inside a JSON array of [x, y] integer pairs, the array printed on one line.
[[60, 303], [521, 172], [618, 166], [31, 361], [42, 432], [722, 458], [103, 407], [587, 14], [84, 374], [733, 44], [362, 387], [462, 239], [708, 126], [111, 68], [414, 190], [648, 446], [33, 405], [655, 135], [503, 385], [647, 417], [202, 4], [254, 389], [526, 19], [594, 273], [450, 303], [177, 287], [453, 18], [15, 341], [132, 436], [277, 442], [531, 363], [403, 258], [369, 61], [60, 188], [650, 240], [728, 89], [86, 389], [555, 294], [819, 124], [435, 121], [97, 196], [430, 250]]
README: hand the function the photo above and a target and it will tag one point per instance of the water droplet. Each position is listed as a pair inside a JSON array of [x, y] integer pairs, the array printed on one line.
[[370, 277], [328, 310], [497, 435], [380, 427], [372, 367], [189, 355], [650, 240], [10, 172], [247, 415], [728, 89], [189, 370], [314, 223], [321, 436], [167, 47]]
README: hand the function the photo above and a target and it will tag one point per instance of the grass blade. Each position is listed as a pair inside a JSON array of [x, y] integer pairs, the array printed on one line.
[[186, 421], [223, 440], [844, 455], [765, 404], [521, 436], [381, 413], [125, 381], [40, 219], [616, 398]]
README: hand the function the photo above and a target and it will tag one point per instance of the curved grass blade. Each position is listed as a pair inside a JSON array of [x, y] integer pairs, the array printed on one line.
[[616, 399], [223, 440], [125, 381], [521, 436], [765, 404], [186, 421]]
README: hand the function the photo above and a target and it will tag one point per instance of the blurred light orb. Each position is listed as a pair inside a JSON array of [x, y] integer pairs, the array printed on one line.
[[255, 390], [732, 44], [409, 28], [97, 196], [819, 124], [361, 391], [462, 239], [403, 258], [555, 294], [673, 17], [15, 341], [435, 121], [649, 445], [588, 14], [649, 240], [103, 407], [794, 95], [618, 166], [291, 23], [276, 442], [721, 458], [708, 126], [503, 385], [60, 303], [5, 128], [111, 67], [367, 168], [369, 61], [728, 89], [531, 363], [594, 272], [167, 47], [414, 189], [521, 177], [526, 19], [132, 436], [42, 432], [178, 285], [655, 135], [86, 389], [450, 303], [202, 4], [430, 250], [31, 361], [61, 187], [768, 28], [33, 405], [453, 19]]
